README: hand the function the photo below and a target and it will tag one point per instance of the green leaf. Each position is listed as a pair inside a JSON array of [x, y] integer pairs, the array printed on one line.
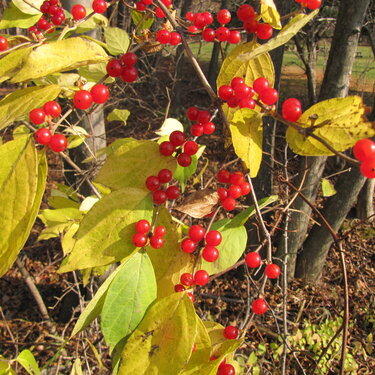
[[234, 238], [29, 6], [11, 62], [19, 103], [130, 294], [62, 215], [92, 23], [270, 14], [22, 183], [340, 122], [246, 128], [95, 72], [106, 231], [142, 20], [129, 161], [328, 189], [119, 115], [77, 368], [170, 125], [13, 17], [28, 362], [163, 340], [59, 56], [117, 40]]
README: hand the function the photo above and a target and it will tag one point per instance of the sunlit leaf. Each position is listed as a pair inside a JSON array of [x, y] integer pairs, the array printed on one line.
[[95, 72], [143, 20], [13, 17], [270, 14], [117, 40], [28, 362], [92, 23], [170, 125], [119, 115], [328, 189], [29, 6]]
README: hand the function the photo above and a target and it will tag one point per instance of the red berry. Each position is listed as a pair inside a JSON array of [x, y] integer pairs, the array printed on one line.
[[193, 29], [56, 20], [190, 16], [43, 136], [191, 147], [242, 91], [259, 306], [224, 16], [260, 84], [226, 369], [82, 99], [199, 20], [245, 188], [233, 102], [175, 38], [364, 149], [186, 279], [160, 231], [222, 34], [140, 6], [156, 242], [292, 109], [173, 192], [167, 3], [164, 175], [197, 130], [3, 43], [166, 148], [245, 12], [223, 176], [253, 259], [208, 35], [152, 183], [204, 117], [314, 4], [234, 191], [237, 178], [99, 6], [223, 193], [159, 13], [44, 8], [129, 58], [213, 238], [225, 92], [201, 277], [368, 168], [37, 116], [229, 204], [184, 159], [208, 128], [129, 74], [234, 37], [114, 68], [208, 17], [52, 108], [188, 245], [163, 36], [99, 93], [139, 240], [264, 31], [159, 196], [177, 138], [142, 226], [58, 143], [192, 113], [196, 233], [191, 296], [235, 81], [272, 271], [247, 103], [210, 254], [78, 12], [231, 332], [269, 96], [251, 26], [179, 288]]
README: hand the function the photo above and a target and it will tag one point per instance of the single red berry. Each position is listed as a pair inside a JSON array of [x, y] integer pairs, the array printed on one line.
[[177, 138], [209, 128], [173, 192], [129, 74], [167, 3], [188, 245], [259, 306], [3, 43], [242, 91], [272, 271], [226, 369], [43, 24], [223, 193], [192, 113], [99, 6], [213, 238], [193, 29], [191, 147], [37, 116], [52, 108], [160, 231], [163, 36], [233, 102], [234, 37], [208, 35], [196, 233], [156, 242], [247, 103], [204, 117], [264, 31], [165, 175], [245, 188], [142, 226], [197, 130], [260, 84], [199, 20], [43, 136], [224, 16], [251, 25], [223, 176], [237, 178], [235, 81], [201, 277], [175, 38], [139, 239], [368, 168], [152, 183], [291, 109], [190, 16], [114, 68], [57, 21], [269, 96], [140, 6], [210, 253], [82, 99], [58, 143], [129, 58], [234, 191], [184, 159], [225, 92], [208, 17], [78, 12], [222, 34], [159, 13], [253, 259], [54, 10], [99, 93], [186, 279], [245, 12], [314, 4], [159, 196], [45, 7], [229, 204], [364, 149], [231, 332], [166, 148], [179, 288]]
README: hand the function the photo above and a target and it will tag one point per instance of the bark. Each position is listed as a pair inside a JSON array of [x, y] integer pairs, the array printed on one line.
[[365, 205]]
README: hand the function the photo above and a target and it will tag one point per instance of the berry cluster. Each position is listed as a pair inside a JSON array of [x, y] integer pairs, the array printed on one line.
[[177, 143], [154, 183], [83, 99], [53, 14], [141, 6], [142, 235], [237, 187], [291, 109], [364, 151], [3, 43], [310, 4], [200, 277], [164, 36], [123, 67], [202, 118]]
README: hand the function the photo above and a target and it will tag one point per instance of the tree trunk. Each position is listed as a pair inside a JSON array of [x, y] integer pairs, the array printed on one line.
[[335, 84], [365, 205]]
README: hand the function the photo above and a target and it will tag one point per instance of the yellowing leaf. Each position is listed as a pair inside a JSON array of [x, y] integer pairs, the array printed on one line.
[[95, 72], [11, 63], [93, 22], [340, 122], [328, 189], [13, 17], [162, 342], [169, 126], [117, 40], [19, 103], [28, 362], [22, 182], [270, 14], [29, 6], [246, 129], [130, 161], [106, 231], [60, 56], [119, 115]]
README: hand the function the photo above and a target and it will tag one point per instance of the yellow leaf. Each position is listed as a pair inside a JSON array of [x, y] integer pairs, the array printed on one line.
[[328, 189], [59, 56], [29, 6], [270, 14], [119, 115], [247, 136], [340, 122], [162, 342]]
